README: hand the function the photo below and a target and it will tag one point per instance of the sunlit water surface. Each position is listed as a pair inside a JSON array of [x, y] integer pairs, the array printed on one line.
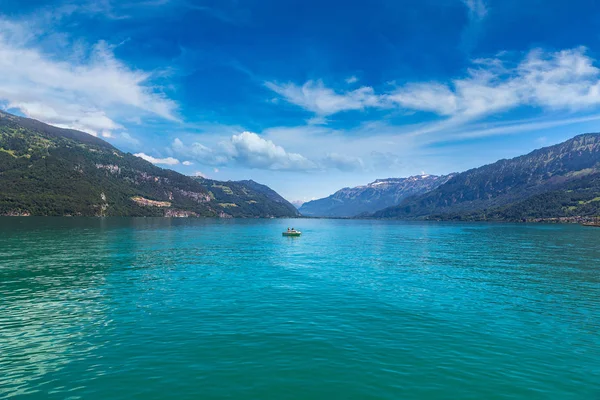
[[203, 309]]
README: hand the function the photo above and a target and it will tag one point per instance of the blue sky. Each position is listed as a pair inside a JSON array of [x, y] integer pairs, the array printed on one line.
[[307, 96]]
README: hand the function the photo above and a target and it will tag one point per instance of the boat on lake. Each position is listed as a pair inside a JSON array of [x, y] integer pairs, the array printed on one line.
[[292, 232]]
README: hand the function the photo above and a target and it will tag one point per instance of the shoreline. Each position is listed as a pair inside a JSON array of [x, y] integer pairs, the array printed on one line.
[[583, 221]]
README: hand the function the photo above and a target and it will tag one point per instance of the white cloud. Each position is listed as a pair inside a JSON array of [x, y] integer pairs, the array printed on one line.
[[511, 127], [187, 163], [246, 149], [200, 174], [351, 79], [253, 151], [314, 96], [433, 97], [74, 90], [165, 161], [564, 80]]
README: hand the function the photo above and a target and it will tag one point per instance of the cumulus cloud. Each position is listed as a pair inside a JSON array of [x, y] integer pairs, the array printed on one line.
[[187, 163], [153, 160], [200, 174], [254, 151], [246, 149], [87, 89], [314, 96], [251, 150]]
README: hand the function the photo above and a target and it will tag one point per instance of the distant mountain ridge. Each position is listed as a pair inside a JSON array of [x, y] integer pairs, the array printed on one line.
[[45, 170], [559, 181], [382, 193]]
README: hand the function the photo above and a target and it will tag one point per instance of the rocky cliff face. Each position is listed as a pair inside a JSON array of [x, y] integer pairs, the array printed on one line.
[[382, 193]]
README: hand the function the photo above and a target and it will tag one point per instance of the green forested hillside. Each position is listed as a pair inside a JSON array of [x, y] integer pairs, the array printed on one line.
[[551, 182], [46, 170], [577, 199], [247, 198]]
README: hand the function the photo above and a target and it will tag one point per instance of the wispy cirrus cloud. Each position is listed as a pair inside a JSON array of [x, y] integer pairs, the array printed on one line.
[[477, 8], [316, 97], [86, 88], [563, 80], [477, 12], [566, 80]]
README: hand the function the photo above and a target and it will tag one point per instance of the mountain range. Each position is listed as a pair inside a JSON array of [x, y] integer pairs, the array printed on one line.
[[46, 170], [556, 182], [560, 181], [382, 193]]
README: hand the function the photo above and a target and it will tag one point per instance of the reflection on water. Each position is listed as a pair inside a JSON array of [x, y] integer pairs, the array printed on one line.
[[150, 308]]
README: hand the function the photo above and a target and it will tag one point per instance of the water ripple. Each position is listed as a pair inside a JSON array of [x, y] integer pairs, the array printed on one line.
[[155, 308]]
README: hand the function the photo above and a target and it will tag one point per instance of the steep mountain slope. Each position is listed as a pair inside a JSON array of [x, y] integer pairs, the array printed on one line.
[[382, 193], [577, 200], [45, 170], [247, 198], [270, 194], [493, 190]]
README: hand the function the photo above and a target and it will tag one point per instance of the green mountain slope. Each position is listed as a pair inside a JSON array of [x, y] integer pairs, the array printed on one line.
[[247, 198], [46, 170], [520, 188], [577, 199]]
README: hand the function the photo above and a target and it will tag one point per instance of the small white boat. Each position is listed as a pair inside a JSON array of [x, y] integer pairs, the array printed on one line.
[[292, 233]]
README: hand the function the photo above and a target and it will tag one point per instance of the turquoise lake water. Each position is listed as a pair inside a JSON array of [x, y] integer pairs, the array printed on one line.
[[209, 309]]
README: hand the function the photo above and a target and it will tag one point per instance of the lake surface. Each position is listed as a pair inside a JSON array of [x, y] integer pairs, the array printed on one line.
[[210, 309]]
